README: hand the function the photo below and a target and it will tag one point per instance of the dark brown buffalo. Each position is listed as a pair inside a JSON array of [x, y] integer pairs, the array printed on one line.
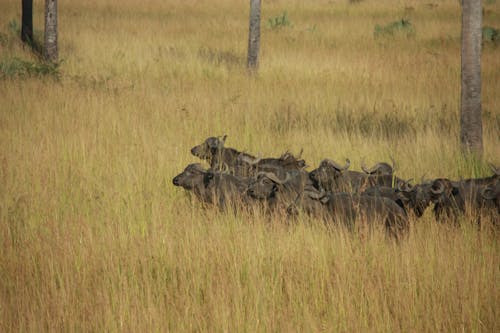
[[381, 168], [413, 199], [491, 197], [454, 198], [220, 189], [279, 166], [238, 163], [278, 193], [218, 156], [348, 209], [332, 177], [192, 179]]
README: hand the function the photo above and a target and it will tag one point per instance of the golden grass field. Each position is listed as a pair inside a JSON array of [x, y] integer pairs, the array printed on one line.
[[94, 236]]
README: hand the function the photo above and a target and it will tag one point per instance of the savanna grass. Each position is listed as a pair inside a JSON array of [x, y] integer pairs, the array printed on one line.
[[94, 236]]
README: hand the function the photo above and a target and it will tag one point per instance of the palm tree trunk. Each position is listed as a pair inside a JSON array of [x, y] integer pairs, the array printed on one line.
[[27, 21], [50, 49], [471, 127], [254, 36]]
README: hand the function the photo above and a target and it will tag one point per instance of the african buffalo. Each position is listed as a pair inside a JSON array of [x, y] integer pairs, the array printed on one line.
[[278, 193], [347, 208], [332, 177], [242, 164], [279, 166], [491, 196], [380, 168], [192, 179], [217, 188], [218, 156], [453, 198], [411, 198]]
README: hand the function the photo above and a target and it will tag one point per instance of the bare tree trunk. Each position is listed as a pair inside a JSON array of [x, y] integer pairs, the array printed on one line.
[[27, 21], [50, 49], [254, 36], [471, 127]]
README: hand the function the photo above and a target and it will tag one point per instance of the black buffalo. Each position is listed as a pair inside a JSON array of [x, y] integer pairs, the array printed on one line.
[[414, 199], [454, 198], [213, 187], [239, 163], [279, 193], [348, 209], [332, 177]]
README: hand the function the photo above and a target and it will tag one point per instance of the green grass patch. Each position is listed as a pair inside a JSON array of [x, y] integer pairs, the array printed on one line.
[[401, 27], [491, 34], [221, 58], [15, 67], [279, 21]]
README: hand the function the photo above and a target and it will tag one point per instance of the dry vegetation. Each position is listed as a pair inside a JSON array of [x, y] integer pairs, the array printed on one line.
[[94, 237]]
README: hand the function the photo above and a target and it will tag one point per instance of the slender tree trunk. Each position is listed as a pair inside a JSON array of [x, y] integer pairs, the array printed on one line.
[[50, 49], [471, 127], [27, 21], [254, 36]]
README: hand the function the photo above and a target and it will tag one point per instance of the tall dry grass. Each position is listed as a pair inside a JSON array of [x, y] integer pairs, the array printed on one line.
[[94, 237]]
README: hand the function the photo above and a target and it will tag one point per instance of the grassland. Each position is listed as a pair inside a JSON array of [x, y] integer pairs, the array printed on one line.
[[94, 237]]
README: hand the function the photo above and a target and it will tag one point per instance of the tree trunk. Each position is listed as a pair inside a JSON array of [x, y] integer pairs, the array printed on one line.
[[50, 49], [254, 36], [471, 127], [27, 21]]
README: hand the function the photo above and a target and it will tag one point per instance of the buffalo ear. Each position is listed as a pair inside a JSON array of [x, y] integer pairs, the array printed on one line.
[[403, 196], [400, 203], [208, 177], [224, 138], [488, 193]]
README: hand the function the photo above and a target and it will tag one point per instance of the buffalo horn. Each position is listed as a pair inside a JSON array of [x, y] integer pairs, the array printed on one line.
[[249, 160], [488, 193], [495, 170], [405, 186], [363, 167], [440, 188], [274, 178], [337, 166], [376, 167], [393, 164], [316, 195]]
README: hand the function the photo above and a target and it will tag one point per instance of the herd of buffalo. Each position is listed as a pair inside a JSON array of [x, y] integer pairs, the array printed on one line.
[[332, 192]]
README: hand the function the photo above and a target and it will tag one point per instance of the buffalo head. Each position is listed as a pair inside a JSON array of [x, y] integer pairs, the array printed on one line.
[[380, 168], [192, 175], [265, 185], [209, 148], [327, 172]]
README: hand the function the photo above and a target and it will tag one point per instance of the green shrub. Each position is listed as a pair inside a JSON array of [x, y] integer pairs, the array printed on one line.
[[401, 27], [216, 57], [14, 27], [3, 39], [279, 21], [490, 34], [15, 67]]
